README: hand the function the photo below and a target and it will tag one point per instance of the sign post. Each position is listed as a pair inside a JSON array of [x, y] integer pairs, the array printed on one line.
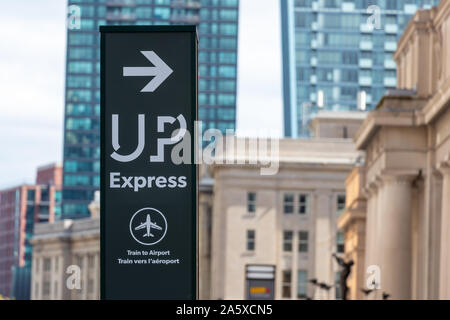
[[148, 182]]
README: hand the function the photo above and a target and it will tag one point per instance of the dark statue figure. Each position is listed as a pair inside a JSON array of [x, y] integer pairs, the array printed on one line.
[[346, 268]]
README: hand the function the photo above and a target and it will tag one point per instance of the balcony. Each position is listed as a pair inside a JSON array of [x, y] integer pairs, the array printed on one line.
[[366, 45], [366, 28], [389, 64], [121, 3], [186, 4], [365, 63], [365, 81], [120, 16], [390, 82], [390, 46], [348, 6], [184, 18], [410, 9], [391, 28]]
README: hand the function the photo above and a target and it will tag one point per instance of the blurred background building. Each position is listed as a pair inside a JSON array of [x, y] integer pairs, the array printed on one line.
[[61, 247], [385, 195], [338, 54], [217, 22], [268, 235], [398, 213], [21, 208]]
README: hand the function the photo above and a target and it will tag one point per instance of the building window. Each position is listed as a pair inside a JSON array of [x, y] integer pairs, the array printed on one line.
[[286, 284], [340, 204], [46, 289], [91, 261], [340, 242], [47, 264], [302, 283], [287, 241], [288, 203], [303, 204], [79, 261], [250, 240], [251, 202], [90, 288], [303, 241], [31, 195]]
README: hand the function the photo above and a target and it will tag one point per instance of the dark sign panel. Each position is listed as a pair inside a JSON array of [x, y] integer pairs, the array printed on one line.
[[148, 195], [260, 284]]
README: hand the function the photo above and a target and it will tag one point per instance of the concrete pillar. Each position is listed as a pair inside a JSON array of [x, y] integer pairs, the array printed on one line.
[[434, 231], [370, 230], [444, 270], [322, 234], [380, 221], [359, 270], [394, 236]]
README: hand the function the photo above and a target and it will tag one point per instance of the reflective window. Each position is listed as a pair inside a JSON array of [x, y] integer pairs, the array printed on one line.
[[250, 240], [287, 241]]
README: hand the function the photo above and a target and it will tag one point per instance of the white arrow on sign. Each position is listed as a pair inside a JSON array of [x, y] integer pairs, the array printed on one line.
[[161, 71]]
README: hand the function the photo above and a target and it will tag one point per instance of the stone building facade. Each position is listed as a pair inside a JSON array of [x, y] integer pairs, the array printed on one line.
[[67, 250], [281, 228], [405, 182]]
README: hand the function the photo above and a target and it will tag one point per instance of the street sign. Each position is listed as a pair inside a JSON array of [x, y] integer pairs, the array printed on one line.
[[148, 200], [260, 282]]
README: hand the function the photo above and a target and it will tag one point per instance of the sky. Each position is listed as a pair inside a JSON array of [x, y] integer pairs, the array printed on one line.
[[32, 66]]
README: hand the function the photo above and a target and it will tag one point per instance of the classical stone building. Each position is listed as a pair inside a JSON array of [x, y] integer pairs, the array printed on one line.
[[398, 213], [205, 204], [353, 223], [59, 249], [270, 234]]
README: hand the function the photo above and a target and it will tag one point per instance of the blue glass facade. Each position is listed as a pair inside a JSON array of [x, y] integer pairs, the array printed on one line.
[[217, 22], [332, 54]]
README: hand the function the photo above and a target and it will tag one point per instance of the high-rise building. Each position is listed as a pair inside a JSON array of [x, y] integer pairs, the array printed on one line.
[[21, 208], [217, 22], [337, 54]]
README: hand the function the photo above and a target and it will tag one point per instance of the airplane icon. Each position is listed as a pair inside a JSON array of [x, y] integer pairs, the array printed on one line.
[[148, 224]]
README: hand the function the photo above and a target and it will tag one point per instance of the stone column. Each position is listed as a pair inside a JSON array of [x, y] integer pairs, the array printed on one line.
[[394, 236], [322, 233], [370, 228], [380, 221], [444, 279]]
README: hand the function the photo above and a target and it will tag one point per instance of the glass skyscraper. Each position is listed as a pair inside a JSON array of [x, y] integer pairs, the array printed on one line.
[[337, 54], [217, 22]]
